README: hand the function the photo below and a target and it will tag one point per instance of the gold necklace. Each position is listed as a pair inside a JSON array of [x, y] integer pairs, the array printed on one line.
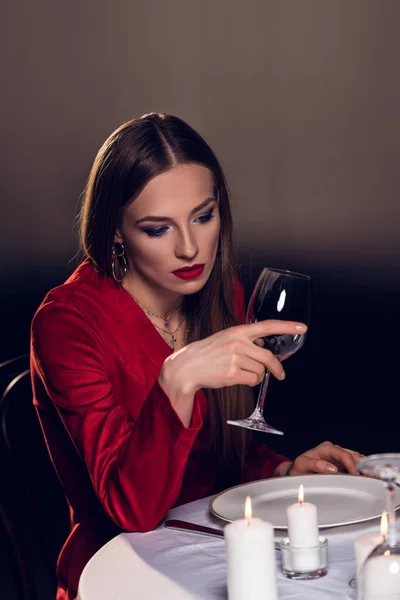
[[153, 314], [172, 343]]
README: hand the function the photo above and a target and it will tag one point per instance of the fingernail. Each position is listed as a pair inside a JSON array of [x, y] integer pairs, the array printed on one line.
[[331, 469], [301, 327], [282, 375]]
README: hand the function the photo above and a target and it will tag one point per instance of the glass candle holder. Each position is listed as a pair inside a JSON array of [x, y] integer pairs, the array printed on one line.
[[304, 563]]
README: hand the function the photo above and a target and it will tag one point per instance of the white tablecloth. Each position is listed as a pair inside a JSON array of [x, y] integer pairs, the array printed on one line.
[[197, 563]]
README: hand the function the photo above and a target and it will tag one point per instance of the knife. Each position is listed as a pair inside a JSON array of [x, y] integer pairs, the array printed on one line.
[[202, 529]]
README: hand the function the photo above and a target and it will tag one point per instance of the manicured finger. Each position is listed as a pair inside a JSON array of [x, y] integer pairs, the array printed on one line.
[[307, 464], [252, 366], [273, 327], [324, 466], [246, 378], [341, 456], [266, 358], [356, 455]]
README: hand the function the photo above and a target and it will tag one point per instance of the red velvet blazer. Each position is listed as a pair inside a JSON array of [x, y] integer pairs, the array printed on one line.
[[97, 357]]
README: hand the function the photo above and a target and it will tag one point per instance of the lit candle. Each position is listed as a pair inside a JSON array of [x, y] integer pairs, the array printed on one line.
[[382, 577], [250, 553], [364, 544], [303, 534]]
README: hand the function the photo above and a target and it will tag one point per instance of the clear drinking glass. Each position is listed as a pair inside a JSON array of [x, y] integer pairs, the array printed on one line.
[[380, 573], [282, 295]]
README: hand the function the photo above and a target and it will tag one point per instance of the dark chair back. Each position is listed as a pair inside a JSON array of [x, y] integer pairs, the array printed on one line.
[[24, 439], [20, 584], [40, 515], [10, 369], [33, 504]]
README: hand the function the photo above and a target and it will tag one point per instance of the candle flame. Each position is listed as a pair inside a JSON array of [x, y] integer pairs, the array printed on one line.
[[248, 513], [301, 494], [384, 525]]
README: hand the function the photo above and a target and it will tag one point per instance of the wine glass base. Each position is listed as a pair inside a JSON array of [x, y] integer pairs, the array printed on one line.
[[255, 425], [352, 589]]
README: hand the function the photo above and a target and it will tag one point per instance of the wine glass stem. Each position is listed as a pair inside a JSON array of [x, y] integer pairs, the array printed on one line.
[[391, 509], [261, 394]]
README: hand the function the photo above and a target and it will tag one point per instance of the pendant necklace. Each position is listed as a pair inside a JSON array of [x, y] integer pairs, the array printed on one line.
[[166, 319], [153, 314], [172, 343]]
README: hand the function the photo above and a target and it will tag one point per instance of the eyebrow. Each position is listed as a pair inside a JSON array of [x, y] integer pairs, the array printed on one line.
[[163, 219]]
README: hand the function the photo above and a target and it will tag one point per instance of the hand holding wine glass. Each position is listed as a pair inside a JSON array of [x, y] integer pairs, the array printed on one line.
[[229, 357], [280, 295]]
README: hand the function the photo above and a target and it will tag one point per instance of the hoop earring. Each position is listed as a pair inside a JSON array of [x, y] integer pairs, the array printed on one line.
[[119, 264]]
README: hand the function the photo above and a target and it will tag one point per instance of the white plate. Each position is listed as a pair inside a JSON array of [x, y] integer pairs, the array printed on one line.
[[340, 499]]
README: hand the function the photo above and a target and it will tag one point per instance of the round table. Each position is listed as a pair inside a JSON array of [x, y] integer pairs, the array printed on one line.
[[173, 565]]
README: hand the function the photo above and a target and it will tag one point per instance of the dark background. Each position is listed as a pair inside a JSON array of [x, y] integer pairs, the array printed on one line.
[[299, 99]]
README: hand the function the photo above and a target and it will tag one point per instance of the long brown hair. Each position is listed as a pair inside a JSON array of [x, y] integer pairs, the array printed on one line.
[[134, 154]]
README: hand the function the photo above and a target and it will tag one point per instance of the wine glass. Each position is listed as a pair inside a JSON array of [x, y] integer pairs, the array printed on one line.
[[282, 295], [380, 573]]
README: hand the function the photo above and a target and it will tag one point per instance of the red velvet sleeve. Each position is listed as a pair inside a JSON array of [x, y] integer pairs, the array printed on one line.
[[136, 466], [262, 462]]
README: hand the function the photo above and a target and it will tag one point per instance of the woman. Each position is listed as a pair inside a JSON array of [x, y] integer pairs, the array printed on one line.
[[141, 349]]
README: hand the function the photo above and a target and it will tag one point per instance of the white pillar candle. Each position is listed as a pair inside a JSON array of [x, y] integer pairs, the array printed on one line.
[[364, 544], [303, 534], [250, 552], [382, 578]]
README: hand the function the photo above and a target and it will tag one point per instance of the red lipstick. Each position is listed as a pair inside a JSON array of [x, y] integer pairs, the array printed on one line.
[[189, 272]]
